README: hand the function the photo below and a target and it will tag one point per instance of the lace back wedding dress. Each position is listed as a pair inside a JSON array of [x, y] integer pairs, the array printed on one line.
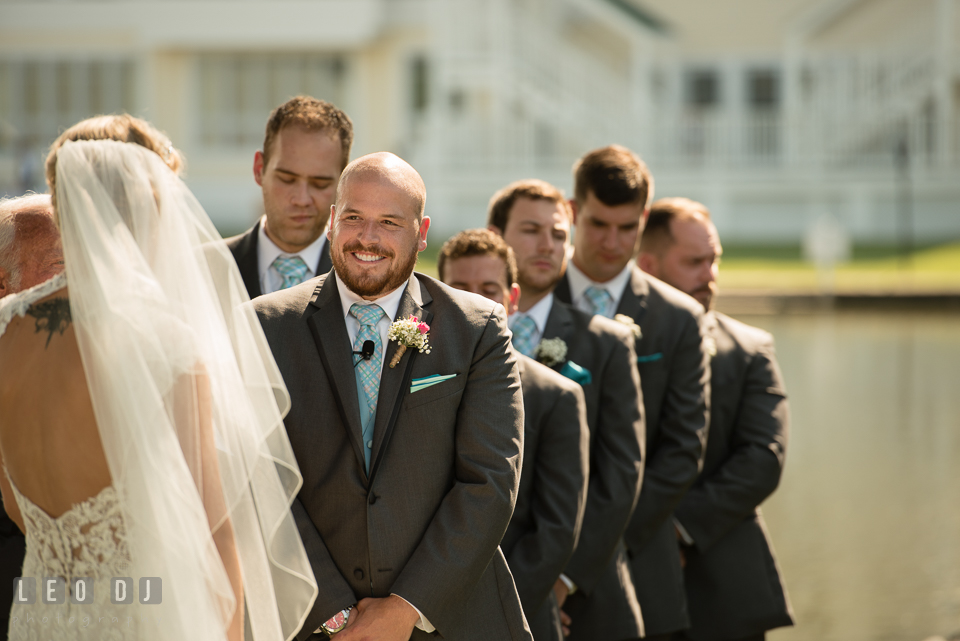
[[189, 407], [87, 541]]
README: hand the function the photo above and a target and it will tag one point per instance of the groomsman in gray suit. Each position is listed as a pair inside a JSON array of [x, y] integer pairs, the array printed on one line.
[[306, 147], [733, 584], [556, 442], [407, 424], [611, 194], [534, 218]]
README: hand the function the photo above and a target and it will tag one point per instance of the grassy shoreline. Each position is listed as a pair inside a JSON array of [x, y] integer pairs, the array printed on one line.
[[782, 270]]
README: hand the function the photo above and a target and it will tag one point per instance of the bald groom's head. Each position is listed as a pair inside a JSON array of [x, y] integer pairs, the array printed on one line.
[[386, 168], [378, 224]]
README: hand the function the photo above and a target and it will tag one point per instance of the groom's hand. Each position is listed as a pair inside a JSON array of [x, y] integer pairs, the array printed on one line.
[[387, 619]]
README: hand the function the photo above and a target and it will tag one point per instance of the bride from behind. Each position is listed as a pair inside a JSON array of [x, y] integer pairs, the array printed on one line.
[[141, 433]]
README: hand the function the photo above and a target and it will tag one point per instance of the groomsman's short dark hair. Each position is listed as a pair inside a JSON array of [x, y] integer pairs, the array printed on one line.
[[478, 242], [657, 236], [615, 175], [313, 115], [498, 212]]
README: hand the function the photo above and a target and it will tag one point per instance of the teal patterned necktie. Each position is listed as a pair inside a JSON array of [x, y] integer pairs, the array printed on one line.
[[598, 299], [293, 269], [368, 370], [525, 335]]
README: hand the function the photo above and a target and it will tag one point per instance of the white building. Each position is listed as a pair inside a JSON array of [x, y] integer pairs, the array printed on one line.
[[772, 113]]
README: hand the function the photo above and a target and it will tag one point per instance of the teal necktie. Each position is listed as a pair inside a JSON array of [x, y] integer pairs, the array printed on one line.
[[368, 371], [293, 269], [598, 300], [525, 335]]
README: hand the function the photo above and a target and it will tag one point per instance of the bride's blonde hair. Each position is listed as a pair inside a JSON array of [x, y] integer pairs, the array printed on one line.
[[122, 128]]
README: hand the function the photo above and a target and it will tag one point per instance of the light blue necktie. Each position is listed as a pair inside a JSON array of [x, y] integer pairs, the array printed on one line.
[[598, 300], [293, 269], [368, 371], [525, 335]]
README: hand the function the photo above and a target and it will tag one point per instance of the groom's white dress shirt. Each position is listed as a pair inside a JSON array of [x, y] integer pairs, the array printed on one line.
[[267, 251]]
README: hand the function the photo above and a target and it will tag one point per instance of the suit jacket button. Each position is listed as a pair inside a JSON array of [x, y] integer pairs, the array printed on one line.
[[373, 498], [358, 574]]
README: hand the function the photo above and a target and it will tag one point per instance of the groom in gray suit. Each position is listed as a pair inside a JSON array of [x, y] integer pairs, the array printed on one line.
[[733, 584], [410, 453]]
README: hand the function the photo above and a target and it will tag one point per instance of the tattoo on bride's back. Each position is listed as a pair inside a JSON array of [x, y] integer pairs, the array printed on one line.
[[52, 316]]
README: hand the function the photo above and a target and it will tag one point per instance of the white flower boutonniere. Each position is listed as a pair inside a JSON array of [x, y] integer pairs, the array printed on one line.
[[628, 321], [409, 332], [551, 351]]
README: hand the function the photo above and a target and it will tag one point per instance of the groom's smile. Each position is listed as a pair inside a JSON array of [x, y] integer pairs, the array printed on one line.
[[377, 231]]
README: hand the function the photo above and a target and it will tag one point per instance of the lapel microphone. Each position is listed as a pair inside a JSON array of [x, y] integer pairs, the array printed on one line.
[[366, 352]]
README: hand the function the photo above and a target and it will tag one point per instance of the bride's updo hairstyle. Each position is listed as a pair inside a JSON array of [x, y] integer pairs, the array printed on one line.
[[122, 128]]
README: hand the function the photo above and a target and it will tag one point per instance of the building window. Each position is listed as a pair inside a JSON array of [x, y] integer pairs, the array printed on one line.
[[419, 85], [238, 91], [41, 98], [763, 89], [703, 88]]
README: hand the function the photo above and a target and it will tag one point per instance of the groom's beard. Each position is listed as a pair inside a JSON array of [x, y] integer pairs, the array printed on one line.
[[369, 285]]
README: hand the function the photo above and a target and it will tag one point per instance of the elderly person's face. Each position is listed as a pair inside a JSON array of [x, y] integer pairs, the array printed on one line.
[[40, 253]]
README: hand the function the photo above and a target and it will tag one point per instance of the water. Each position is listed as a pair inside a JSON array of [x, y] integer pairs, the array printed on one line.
[[866, 522]]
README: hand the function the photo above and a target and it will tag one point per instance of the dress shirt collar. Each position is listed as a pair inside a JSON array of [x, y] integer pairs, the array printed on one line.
[[389, 303], [538, 313], [267, 251], [579, 282]]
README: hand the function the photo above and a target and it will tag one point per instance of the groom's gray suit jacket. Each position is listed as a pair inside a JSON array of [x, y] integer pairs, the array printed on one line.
[[427, 521]]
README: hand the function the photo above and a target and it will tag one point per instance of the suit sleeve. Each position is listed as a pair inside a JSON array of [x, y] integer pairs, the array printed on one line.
[[673, 467], [560, 485], [616, 467], [752, 472], [335, 593], [465, 533]]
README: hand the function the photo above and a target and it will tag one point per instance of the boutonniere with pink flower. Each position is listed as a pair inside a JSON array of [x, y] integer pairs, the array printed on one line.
[[409, 332]]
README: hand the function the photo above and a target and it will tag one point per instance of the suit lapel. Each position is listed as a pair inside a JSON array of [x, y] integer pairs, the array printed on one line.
[[559, 324], [333, 343], [395, 382], [562, 290], [249, 264], [633, 303]]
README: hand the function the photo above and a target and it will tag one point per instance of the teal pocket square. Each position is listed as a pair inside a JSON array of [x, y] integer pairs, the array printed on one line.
[[649, 358], [576, 373], [418, 384]]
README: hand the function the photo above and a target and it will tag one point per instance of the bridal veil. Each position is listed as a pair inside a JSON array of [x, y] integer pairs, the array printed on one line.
[[185, 392]]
